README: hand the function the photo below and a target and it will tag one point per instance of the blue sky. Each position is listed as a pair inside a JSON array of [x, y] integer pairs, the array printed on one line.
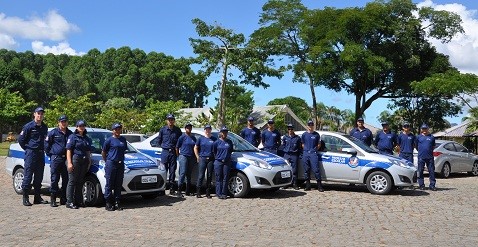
[[75, 27]]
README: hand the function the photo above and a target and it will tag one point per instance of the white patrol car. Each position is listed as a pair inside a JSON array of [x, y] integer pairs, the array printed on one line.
[[142, 176], [346, 159], [251, 168]]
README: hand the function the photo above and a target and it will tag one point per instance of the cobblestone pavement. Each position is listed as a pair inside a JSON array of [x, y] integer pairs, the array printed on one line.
[[341, 216]]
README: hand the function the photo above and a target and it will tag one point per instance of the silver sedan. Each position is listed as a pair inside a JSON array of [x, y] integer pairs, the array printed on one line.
[[452, 157]]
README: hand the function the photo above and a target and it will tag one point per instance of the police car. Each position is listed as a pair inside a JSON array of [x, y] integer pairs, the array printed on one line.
[[251, 168], [142, 176], [346, 159]]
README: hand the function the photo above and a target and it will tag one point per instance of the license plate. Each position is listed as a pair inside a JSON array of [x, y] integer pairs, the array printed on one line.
[[285, 174], [149, 179]]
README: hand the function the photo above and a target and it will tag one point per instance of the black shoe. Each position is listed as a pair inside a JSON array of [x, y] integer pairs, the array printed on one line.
[[109, 207], [81, 205], [71, 205], [172, 192], [62, 201], [53, 201], [118, 207], [223, 197], [179, 194], [39, 200], [433, 188], [421, 187], [295, 187], [307, 185], [26, 200], [320, 188]]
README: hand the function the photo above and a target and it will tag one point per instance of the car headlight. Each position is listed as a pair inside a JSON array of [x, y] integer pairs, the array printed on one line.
[[399, 163], [261, 164]]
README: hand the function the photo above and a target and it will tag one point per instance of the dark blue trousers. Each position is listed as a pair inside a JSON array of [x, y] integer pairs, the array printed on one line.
[[430, 162], [57, 170], [34, 165], [311, 160], [114, 174], [221, 169], [186, 164], [169, 159], [294, 161], [76, 178], [205, 163]]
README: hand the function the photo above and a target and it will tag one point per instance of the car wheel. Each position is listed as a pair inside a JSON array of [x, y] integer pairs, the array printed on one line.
[[18, 180], [379, 183], [474, 170], [445, 170], [238, 185], [92, 194], [150, 196]]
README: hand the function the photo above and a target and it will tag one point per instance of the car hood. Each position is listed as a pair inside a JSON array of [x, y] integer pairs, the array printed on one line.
[[271, 159], [138, 161]]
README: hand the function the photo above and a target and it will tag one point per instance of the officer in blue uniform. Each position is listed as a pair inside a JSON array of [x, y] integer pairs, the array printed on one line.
[[362, 133], [167, 139], [310, 158], [385, 140], [112, 152], [292, 146], [32, 140], [78, 155], [187, 159], [55, 148], [406, 143], [271, 138], [250, 133], [222, 150], [425, 143], [205, 158]]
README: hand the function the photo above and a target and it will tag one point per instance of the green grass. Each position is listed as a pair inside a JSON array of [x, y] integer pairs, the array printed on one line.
[[4, 148]]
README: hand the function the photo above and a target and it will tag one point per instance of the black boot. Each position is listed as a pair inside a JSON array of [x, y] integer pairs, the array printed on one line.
[[208, 193], [26, 200], [198, 192], [319, 186], [188, 190], [62, 200], [117, 206], [179, 194], [307, 185], [38, 200], [294, 185], [109, 206], [53, 200]]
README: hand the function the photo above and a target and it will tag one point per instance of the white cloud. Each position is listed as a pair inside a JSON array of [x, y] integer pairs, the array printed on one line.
[[463, 49], [62, 48], [7, 42]]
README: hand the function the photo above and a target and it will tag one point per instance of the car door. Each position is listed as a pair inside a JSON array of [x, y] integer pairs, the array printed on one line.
[[337, 163], [465, 161]]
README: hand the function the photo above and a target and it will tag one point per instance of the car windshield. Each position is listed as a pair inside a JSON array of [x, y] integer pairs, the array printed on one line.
[[361, 144], [99, 138], [240, 145]]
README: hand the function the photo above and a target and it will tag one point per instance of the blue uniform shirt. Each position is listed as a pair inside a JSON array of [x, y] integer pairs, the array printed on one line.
[[186, 145], [115, 148], [271, 139], [425, 145], [310, 141], [292, 144], [365, 135], [205, 146], [55, 142], [222, 150], [385, 140], [33, 136], [253, 136], [168, 138], [406, 142], [79, 145]]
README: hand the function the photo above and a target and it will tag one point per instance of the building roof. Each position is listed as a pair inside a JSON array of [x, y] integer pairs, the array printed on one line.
[[455, 131]]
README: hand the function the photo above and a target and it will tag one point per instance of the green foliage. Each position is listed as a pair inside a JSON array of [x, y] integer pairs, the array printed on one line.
[[13, 109], [81, 108], [279, 119], [297, 105], [239, 105], [156, 112], [120, 110]]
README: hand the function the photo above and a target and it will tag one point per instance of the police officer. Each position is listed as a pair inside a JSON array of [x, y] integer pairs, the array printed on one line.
[[271, 138], [362, 133], [385, 140], [32, 140], [310, 158], [78, 155], [406, 142], [187, 159], [292, 146], [425, 143], [167, 139], [55, 148], [112, 152], [205, 159], [222, 150], [250, 133]]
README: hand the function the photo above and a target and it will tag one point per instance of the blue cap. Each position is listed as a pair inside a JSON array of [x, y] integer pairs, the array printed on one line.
[[38, 109], [62, 118], [290, 126], [116, 125], [406, 124], [360, 119], [310, 122], [224, 128], [170, 116], [270, 121], [80, 122], [384, 123], [188, 124], [424, 126], [250, 119], [207, 126]]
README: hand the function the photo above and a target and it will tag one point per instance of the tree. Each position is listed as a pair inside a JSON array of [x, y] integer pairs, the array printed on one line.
[[120, 110], [297, 105], [238, 106], [156, 112], [13, 110], [81, 108], [225, 51]]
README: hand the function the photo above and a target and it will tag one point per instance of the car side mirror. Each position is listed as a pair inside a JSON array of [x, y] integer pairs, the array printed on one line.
[[351, 151]]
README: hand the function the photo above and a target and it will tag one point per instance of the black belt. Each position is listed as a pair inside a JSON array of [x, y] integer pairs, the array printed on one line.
[[60, 155], [80, 156], [168, 149], [292, 153], [36, 150], [116, 161]]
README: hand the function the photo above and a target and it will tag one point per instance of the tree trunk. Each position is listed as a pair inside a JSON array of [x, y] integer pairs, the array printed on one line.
[[221, 114], [314, 102]]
